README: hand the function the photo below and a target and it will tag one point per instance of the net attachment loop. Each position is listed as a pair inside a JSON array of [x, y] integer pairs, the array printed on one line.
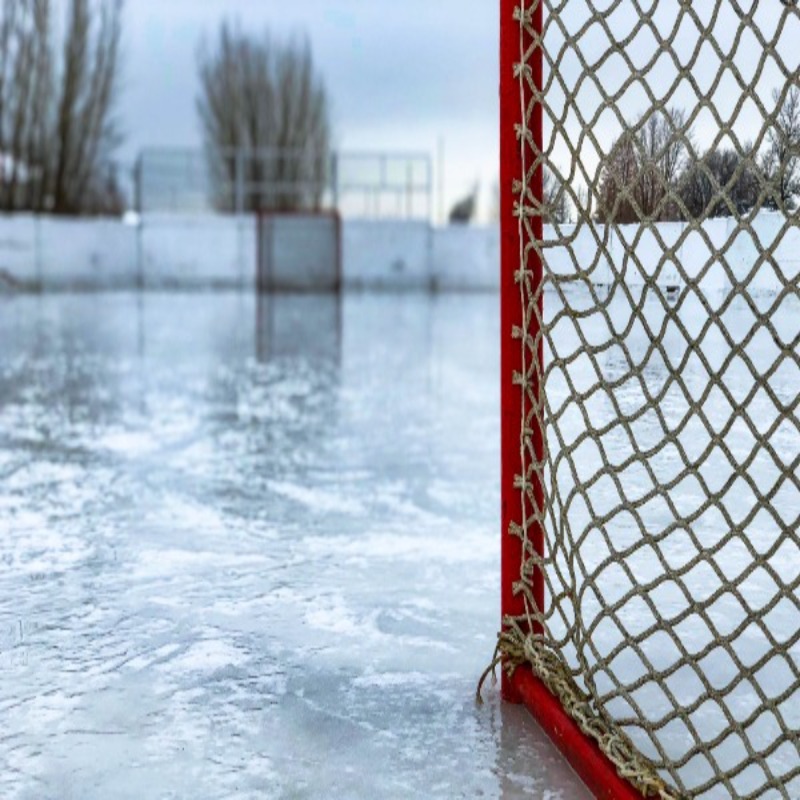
[[516, 648]]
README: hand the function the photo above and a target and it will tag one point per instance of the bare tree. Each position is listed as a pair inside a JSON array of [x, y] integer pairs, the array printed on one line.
[[38, 140], [723, 183], [86, 130], [640, 177], [557, 207], [57, 128], [463, 210], [25, 98], [619, 176], [264, 112], [662, 152], [780, 164], [556, 203]]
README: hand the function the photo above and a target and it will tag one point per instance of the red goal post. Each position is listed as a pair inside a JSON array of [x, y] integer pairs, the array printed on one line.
[[583, 754]]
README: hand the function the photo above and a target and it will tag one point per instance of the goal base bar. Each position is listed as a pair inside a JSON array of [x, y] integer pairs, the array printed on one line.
[[582, 753]]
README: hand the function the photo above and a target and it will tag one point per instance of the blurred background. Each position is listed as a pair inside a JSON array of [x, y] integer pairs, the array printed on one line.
[[395, 104], [130, 133]]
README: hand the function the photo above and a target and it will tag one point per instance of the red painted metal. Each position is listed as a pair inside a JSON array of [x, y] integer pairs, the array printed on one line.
[[583, 754], [513, 99], [585, 757]]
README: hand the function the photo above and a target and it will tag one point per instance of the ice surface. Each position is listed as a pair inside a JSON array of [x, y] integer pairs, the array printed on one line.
[[249, 549]]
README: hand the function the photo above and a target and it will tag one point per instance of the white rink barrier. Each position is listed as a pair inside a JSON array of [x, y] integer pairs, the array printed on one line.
[[209, 250], [466, 258], [60, 253], [385, 254], [188, 251]]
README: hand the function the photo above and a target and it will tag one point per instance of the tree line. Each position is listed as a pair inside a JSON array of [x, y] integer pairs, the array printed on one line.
[[58, 131], [264, 114], [263, 110], [652, 173]]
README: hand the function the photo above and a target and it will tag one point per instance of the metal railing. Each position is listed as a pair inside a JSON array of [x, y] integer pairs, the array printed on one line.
[[355, 183]]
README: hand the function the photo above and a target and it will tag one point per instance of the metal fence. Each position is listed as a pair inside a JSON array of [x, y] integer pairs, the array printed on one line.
[[357, 184]]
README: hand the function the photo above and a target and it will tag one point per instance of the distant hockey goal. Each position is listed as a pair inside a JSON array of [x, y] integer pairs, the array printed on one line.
[[650, 183], [299, 251]]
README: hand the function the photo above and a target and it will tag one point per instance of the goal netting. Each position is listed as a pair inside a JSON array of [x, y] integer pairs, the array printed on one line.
[[650, 220]]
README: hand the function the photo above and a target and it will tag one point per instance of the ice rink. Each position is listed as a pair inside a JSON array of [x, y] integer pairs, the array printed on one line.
[[250, 549]]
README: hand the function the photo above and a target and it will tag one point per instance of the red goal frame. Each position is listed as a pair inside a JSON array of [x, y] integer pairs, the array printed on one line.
[[586, 758]]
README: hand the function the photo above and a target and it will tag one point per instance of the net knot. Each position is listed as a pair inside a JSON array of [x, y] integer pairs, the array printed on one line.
[[517, 647]]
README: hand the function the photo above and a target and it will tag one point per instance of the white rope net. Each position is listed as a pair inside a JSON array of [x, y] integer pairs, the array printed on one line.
[[671, 378]]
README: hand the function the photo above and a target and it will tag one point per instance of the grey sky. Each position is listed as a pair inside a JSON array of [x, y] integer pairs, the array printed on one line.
[[400, 74]]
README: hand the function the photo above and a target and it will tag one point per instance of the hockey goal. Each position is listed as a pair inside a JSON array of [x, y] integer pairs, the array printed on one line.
[[298, 251], [650, 181]]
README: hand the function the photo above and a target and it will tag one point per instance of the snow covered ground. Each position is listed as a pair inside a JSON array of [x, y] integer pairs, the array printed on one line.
[[250, 550]]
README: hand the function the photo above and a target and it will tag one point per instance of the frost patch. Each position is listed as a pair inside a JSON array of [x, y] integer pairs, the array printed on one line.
[[316, 499], [388, 680], [469, 547], [206, 656], [128, 443], [178, 562]]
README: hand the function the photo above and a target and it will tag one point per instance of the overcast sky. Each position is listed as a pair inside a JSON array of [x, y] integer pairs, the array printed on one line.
[[401, 73], [405, 74]]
